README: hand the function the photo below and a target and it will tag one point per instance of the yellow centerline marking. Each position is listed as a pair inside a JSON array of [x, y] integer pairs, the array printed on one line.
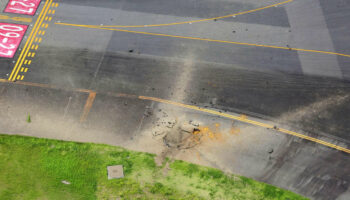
[[195, 21], [207, 39], [242, 118], [30, 39]]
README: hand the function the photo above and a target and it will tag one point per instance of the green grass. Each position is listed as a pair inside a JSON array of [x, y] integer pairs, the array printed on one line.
[[33, 168]]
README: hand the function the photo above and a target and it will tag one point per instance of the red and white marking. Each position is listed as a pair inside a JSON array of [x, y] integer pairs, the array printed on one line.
[[11, 36], [25, 7]]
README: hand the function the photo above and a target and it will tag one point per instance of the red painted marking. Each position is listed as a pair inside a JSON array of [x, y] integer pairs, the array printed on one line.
[[11, 36], [25, 7]]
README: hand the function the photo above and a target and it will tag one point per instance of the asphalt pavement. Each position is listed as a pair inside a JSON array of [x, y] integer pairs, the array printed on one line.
[[287, 64]]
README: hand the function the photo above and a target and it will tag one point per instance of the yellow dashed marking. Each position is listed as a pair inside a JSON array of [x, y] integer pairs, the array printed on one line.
[[29, 42], [29, 62], [22, 69], [25, 62], [22, 77], [26, 69]]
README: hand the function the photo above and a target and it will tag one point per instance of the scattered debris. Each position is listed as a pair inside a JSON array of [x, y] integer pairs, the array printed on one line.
[[194, 123], [270, 150], [65, 182], [115, 171]]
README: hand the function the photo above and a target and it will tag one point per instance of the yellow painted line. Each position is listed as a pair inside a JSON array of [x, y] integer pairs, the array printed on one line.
[[20, 19], [29, 42], [242, 118], [25, 62], [22, 77], [246, 120], [195, 21], [33, 54], [50, 11], [25, 70], [39, 40], [22, 69], [209, 40], [53, 12], [18, 77], [36, 39], [30, 62], [36, 47], [47, 25], [42, 32], [50, 18], [88, 105], [46, 18]]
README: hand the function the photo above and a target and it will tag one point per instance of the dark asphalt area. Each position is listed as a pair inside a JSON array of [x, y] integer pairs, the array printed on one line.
[[306, 91]]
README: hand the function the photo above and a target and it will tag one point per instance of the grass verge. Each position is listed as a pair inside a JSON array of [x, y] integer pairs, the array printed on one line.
[[33, 168]]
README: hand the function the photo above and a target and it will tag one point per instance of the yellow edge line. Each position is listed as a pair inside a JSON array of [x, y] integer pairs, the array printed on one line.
[[207, 39], [238, 118], [41, 21], [34, 30], [195, 21], [243, 119]]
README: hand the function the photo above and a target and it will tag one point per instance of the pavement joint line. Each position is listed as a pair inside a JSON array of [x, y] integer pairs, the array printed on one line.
[[30, 39], [242, 118], [208, 40], [195, 21]]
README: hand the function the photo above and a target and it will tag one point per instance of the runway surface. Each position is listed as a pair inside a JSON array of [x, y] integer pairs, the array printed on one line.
[[281, 63]]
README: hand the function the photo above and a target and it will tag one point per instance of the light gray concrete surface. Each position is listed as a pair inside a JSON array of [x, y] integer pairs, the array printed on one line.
[[306, 18]]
